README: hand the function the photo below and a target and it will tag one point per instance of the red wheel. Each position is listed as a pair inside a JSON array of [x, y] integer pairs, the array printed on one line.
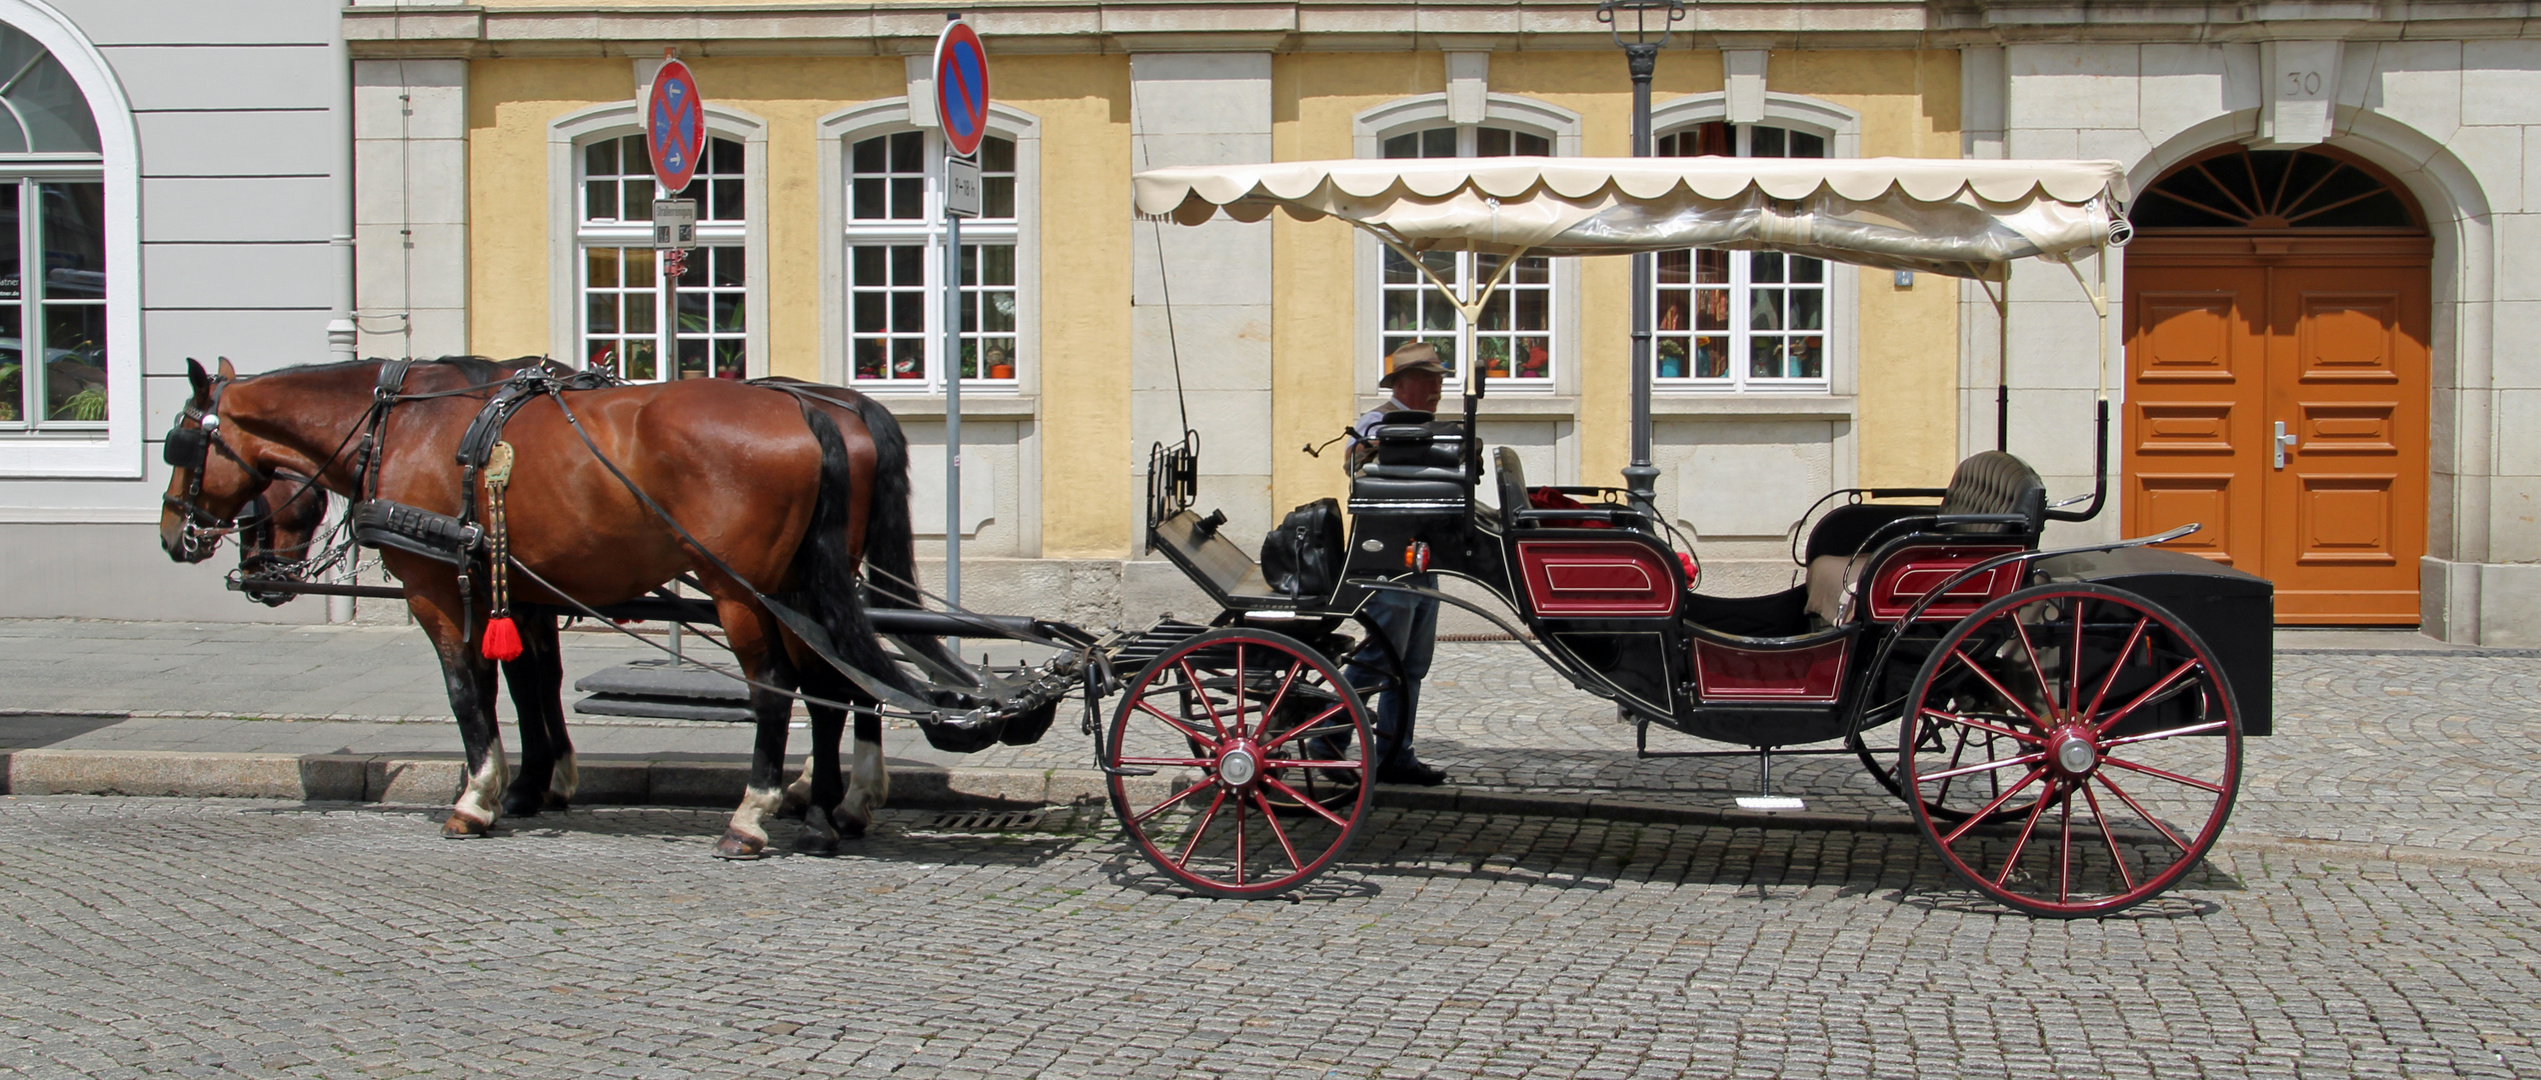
[[1224, 767], [2073, 749]]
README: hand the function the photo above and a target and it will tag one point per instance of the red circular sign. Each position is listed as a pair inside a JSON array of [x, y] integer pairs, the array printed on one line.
[[675, 127], [961, 87]]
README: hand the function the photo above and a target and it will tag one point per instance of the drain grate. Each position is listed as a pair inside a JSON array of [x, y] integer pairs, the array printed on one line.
[[988, 820]]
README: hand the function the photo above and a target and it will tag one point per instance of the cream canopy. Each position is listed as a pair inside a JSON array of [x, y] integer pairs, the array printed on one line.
[[1962, 218]]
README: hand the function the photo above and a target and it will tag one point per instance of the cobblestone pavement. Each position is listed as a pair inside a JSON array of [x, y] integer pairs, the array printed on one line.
[[228, 937]]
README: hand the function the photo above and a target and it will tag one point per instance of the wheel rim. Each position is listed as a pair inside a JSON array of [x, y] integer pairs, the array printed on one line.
[[1243, 796], [2072, 751]]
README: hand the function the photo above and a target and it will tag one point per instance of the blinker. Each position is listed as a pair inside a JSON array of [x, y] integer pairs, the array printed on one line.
[[186, 447]]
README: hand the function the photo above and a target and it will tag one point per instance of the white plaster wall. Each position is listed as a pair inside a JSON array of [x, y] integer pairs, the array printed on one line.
[[239, 106]]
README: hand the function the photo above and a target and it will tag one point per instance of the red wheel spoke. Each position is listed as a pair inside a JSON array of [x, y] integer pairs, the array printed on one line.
[[1942, 797], [2073, 662], [2149, 736], [2117, 664], [2163, 773], [2024, 759], [1979, 817], [1307, 763], [2046, 691], [1988, 676], [1273, 820], [1309, 804], [2064, 850], [1200, 830], [2147, 815], [1187, 730], [1211, 706], [1188, 763], [2115, 855], [2149, 693], [1279, 698], [1954, 718], [1269, 745], [2022, 842], [1178, 797], [1239, 720], [1239, 836]]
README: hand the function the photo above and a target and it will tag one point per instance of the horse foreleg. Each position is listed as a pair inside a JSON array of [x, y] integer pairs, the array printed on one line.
[[868, 779], [471, 685], [536, 681]]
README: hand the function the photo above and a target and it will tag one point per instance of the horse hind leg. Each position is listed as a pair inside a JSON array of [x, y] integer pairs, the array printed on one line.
[[752, 641], [536, 679], [868, 778]]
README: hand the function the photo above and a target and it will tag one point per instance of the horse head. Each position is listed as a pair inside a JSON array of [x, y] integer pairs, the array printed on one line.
[[214, 473]]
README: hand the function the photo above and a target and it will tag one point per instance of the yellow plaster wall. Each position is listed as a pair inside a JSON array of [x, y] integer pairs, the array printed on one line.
[[1080, 102]]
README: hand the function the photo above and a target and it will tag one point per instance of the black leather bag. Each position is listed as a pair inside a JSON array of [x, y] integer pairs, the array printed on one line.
[[1302, 557]]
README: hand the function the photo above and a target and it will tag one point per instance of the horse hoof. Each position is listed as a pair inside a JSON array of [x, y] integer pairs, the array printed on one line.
[[555, 801], [852, 828], [516, 804], [791, 810], [812, 843], [463, 827], [736, 846]]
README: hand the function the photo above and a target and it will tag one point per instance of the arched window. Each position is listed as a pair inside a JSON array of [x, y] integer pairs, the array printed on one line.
[[1740, 320], [895, 240], [625, 285], [2236, 187], [54, 354]]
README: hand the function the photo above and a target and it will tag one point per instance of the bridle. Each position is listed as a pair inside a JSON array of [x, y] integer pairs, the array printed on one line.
[[190, 449]]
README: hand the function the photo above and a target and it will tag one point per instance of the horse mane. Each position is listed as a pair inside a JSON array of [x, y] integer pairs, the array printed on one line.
[[470, 367]]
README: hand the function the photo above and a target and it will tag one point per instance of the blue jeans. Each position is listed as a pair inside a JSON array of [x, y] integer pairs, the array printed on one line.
[[1411, 623]]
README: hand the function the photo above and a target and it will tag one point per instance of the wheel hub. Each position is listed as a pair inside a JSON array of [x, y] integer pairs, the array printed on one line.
[[2073, 752], [1239, 766]]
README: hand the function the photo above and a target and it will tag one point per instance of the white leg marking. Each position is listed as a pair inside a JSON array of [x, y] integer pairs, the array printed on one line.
[[868, 783], [482, 800], [756, 804], [566, 777], [799, 793]]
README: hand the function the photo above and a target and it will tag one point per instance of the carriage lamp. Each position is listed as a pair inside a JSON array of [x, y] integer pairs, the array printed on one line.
[[1634, 23]]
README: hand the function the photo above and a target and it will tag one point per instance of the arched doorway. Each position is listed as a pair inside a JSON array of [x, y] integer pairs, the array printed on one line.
[[2277, 305]]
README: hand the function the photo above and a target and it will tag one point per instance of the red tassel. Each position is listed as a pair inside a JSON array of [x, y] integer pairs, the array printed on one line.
[[502, 639], [1693, 573]]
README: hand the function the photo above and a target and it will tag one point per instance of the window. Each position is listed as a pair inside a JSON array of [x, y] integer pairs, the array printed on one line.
[[624, 288], [1738, 320], [1514, 337], [53, 354], [895, 266]]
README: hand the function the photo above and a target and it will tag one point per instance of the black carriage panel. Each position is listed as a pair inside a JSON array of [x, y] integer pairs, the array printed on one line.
[[1223, 570], [2233, 610], [1872, 562]]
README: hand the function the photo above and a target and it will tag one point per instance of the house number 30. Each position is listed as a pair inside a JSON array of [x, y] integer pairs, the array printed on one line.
[[2304, 83]]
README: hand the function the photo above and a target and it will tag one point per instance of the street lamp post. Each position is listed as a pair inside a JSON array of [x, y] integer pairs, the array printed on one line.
[[1641, 55]]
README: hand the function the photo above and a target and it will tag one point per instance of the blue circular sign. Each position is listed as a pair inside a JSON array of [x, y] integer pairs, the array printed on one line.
[[961, 87], [675, 127]]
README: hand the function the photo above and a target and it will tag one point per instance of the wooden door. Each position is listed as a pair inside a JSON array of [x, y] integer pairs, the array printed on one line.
[[2229, 338]]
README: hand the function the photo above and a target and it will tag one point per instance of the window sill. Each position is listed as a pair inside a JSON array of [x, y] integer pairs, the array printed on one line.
[[1496, 404], [975, 403], [1754, 406]]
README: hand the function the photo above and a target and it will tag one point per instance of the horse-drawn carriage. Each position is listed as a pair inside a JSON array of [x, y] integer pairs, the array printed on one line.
[[2068, 720]]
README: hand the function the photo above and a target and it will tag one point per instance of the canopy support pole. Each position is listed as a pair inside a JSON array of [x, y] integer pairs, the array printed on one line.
[[2002, 358], [2100, 426], [1640, 478]]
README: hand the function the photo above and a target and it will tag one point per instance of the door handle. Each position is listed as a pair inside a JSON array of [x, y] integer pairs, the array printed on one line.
[[2284, 439]]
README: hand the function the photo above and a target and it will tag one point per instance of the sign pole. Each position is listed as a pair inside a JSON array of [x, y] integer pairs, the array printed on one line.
[[961, 106]]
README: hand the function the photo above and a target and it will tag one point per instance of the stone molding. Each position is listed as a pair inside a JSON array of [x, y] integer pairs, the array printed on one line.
[[1112, 26]]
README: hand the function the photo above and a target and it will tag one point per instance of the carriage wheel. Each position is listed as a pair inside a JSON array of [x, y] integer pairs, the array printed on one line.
[[1210, 755], [1882, 765], [2084, 740]]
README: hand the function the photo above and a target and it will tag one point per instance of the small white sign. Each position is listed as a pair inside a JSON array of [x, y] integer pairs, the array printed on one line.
[[962, 193], [674, 224]]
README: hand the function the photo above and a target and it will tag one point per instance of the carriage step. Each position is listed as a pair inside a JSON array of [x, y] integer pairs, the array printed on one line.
[[1771, 802], [663, 709], [1153, 642]]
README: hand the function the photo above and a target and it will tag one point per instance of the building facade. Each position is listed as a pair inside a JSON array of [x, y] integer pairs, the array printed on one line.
[[2328, 202], [175, 179]]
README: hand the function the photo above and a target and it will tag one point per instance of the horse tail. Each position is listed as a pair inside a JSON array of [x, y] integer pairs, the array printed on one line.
[[890, 542], [825, 567]]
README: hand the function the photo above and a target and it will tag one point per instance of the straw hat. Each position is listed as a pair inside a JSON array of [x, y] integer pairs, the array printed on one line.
[[1417, 356]]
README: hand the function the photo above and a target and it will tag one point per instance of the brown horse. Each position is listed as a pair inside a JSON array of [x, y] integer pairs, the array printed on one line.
[[768, 511], [273, 543]]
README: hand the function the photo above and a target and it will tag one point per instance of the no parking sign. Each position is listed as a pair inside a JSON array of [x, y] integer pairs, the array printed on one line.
[[675, 127], [961, 87]]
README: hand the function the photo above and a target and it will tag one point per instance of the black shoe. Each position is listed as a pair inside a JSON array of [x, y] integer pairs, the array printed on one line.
[[1415, 773]]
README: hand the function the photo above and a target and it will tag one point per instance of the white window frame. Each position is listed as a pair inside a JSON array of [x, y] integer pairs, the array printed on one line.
[[839, 132], [1400, 117], [113, 450], [1841, 128], [567, 236]]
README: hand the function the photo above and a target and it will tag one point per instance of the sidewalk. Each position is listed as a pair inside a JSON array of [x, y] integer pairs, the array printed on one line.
[[2386, 738]]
